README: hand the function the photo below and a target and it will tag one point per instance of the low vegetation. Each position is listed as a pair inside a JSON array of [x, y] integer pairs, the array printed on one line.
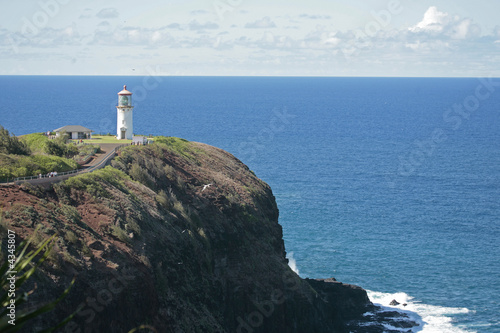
[[11, 145], [35, 154], [98, 139], [179, 146], [12, 166], [36, 142], [88, 150], [93, 183], [26, 263]]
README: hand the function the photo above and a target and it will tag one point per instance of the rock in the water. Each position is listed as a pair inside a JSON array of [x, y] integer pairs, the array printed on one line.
[[394, 302]]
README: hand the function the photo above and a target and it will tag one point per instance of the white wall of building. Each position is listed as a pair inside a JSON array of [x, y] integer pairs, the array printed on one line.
[[124, 121]]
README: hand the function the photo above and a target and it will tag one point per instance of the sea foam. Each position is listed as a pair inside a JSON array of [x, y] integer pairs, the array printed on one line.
[[292, 263], [431, 318]]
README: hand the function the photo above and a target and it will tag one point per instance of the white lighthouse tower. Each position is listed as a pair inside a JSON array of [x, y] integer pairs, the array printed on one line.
[[124, 124]]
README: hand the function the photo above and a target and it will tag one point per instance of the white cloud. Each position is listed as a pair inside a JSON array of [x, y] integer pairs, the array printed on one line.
[[332, 40], [156, 36], [42, 38], [261, 24], [433, 20], [445, 25], [195, 25], [107, 13], [497, 31], [315, 17], [271, 41], [429, 47], [103, 26], [465, 29], [87, 13], [462, 29], [124, 36], [496, 34], [199, 12], [313, 42], [324, 38], [174, 26]]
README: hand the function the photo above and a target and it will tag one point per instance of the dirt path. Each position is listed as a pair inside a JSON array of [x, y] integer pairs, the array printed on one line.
[[105, 148]]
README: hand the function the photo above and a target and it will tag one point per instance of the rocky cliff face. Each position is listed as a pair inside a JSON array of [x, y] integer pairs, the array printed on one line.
[[179, 236]]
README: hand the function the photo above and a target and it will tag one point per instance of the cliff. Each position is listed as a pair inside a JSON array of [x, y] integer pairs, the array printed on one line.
[[177, 235]]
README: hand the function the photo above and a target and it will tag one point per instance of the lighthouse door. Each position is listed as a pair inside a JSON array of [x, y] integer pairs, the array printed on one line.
[[122, 136]]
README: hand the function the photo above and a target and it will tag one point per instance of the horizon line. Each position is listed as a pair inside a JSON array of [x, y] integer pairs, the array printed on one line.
[[257, 76]]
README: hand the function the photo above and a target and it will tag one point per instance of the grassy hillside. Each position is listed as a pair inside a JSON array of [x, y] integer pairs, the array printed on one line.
[[35, 153], [36, 142], [12, 166]]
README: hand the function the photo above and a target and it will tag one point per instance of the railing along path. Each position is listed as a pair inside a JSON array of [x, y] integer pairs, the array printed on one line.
[[44, 180]]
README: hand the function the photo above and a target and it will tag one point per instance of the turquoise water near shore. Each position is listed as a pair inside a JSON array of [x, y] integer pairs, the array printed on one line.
[[389, 183]]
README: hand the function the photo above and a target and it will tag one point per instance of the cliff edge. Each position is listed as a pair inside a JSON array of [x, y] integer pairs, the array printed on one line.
[[177, 235]]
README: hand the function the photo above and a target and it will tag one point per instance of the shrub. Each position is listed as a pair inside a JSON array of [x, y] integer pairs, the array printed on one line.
[[180, 146], [88, 150], [87, 251], [71, 237], [140, 175], [132, 226], [69, 258], [93, 182], [163, 200], [56, 147], [23, 214], [59, 148], [35, 190], [70, 212], [12, 166], [17, 159], [119, 233], [54, 163], [4, 226], [11, 144]]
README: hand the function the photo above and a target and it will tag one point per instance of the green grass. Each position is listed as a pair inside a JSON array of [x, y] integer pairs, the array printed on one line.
[[12, 166], [42, 155], [47, 155], [92, 183], [97, 139], [180, 146], [88, 150], [37, 142]]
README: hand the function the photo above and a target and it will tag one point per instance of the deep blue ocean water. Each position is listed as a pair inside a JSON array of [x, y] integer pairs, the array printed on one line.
[[389, 183]]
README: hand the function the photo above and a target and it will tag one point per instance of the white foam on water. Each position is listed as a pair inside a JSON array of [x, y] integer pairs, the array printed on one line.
[[431, 318], [292, 263]]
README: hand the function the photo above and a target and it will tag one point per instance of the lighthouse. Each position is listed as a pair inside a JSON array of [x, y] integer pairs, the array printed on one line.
[[124, 110]]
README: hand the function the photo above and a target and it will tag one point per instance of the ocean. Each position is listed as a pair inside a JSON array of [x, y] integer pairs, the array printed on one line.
[[392, 184]]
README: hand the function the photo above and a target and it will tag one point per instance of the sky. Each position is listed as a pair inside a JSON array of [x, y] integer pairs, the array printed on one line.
[[409, 38]]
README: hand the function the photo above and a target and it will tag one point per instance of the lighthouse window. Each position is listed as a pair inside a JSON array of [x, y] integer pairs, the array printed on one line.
[[123, 121], [124, 100]]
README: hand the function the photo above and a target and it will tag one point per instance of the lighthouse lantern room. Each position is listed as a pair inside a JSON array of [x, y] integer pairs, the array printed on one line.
[[124, 128]]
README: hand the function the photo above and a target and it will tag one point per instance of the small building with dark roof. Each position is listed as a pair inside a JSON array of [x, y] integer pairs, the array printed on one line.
[[75, 132]]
